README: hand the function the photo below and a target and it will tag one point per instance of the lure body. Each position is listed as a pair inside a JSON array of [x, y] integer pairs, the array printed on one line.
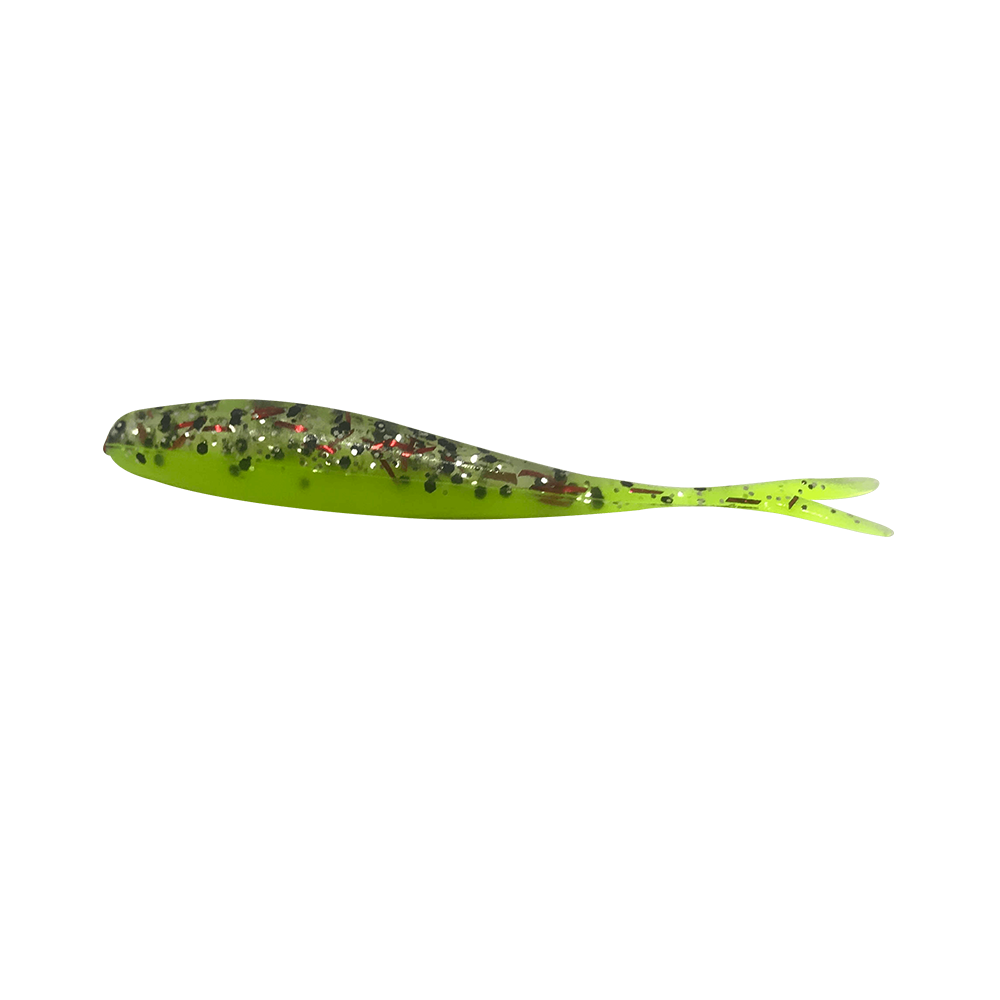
[[326, 459]]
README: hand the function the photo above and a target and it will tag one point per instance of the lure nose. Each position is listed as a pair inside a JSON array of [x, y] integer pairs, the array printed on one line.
[[117, 434]]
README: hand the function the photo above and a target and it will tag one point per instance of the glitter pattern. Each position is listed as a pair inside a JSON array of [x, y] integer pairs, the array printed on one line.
[[295, 455]]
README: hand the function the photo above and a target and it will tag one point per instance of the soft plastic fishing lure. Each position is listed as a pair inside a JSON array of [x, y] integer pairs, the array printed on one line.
[[311, 456]]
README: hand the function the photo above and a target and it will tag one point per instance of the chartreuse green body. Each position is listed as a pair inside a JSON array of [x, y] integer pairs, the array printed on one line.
[[324, 459]]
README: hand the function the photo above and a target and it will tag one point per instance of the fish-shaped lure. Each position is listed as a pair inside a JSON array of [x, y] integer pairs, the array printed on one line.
[[324, 459]]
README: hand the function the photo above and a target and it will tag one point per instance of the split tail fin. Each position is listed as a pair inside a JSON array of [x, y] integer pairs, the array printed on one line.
[[804, 499]]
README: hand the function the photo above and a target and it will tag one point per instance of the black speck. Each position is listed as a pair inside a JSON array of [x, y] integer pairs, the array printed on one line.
[[505, 491], [597, 504], [456, 479], [480, 492], [203, 448], [198, 423], [559, 475], [309, 444], [165, 422], [304, 482], [140, 458], [158, 459], [625, 482], [241, 445], [245, 463], [666, 499], [430, 486], [812, 486], [234, 470], [345, 462], [236, 417], [595, 491], [832, 511], [278, 454], [805, 507], [491, 459], [447, 468], [294, 411]]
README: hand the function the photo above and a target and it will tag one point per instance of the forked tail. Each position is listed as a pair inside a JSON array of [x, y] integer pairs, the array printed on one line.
[[805, 498]]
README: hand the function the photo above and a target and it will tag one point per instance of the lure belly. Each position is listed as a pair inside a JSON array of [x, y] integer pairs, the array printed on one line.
[[322, 459]]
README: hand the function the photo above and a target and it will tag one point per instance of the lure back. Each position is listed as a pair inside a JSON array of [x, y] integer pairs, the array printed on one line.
[[314, 457]]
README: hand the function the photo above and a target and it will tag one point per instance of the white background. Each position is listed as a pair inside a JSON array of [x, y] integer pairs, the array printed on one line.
[[258, 752]]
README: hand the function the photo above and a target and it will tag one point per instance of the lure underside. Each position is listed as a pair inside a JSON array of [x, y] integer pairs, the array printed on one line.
[[325, 459]]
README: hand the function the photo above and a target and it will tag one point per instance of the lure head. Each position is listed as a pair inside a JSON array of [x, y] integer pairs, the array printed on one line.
[[116, 436], [270, 452], [134, 442], [162, 426], [139, 440]]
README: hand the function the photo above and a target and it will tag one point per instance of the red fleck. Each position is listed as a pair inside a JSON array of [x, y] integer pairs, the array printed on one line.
[[387, 467], [505, 477], [637, 489], [556, 501], [378, 447], [298, 428], [409, 450], [187, 423], [142, 434], [745, 500], [178, 441], [327, 449], [267, 411], [407, 453], [551, 487], [531, 472]]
